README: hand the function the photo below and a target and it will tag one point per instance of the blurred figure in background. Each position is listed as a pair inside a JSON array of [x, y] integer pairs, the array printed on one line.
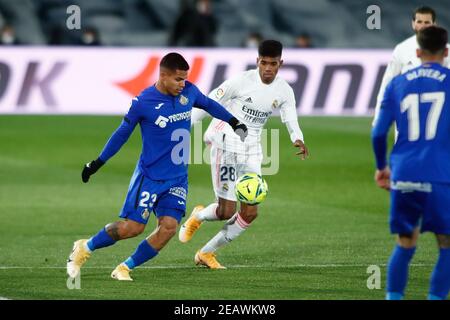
[[90, 37], [253, 40], [303, 40], [8, 36], [404, 57], [196, 26]]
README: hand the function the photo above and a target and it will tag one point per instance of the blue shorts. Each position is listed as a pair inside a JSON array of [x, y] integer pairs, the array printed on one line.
[[162, 197], [424, 204]]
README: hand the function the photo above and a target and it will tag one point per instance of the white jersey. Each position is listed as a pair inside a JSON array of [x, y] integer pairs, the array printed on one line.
[[252, 102], [404, 58]]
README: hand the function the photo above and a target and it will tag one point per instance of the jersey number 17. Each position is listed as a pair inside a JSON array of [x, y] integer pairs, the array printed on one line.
[[411, 104]]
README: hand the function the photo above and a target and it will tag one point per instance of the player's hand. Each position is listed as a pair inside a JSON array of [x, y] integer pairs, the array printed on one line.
[[239, 128], [383, 178], [90, 168], [303, 150]]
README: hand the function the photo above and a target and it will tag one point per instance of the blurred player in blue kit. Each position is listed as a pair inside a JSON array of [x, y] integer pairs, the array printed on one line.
[[159, 183], [418, 175]]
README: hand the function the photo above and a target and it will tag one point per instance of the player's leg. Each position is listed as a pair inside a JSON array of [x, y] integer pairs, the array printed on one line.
[[406, 210], [237, 224], [169, 205], [440, 278], [107, 236], [232, 229], [398, 265], [135, 215], [223, 173], [437, 220], [148, 248]]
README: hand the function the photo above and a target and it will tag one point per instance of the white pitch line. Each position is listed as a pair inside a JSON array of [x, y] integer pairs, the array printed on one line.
[[230, 266], [4, 298]]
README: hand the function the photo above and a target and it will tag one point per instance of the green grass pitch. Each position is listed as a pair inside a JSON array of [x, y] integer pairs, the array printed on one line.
[[323, 223]]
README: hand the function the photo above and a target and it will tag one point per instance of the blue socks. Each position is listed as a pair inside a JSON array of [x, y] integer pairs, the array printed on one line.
[[143, 253], [440, 278], [397, 273], [100, 240]]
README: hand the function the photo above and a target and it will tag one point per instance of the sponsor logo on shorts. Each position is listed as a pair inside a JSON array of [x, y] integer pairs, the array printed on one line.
[[408, 186], [178, 192], [225, 187]]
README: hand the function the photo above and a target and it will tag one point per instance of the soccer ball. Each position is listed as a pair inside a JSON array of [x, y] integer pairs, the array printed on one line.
[[251, 189]]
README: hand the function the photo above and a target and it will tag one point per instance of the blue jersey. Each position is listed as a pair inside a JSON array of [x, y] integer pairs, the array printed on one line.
[[165, 123], [419, 103]]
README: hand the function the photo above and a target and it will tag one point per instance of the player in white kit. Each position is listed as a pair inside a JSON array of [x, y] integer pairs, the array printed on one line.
[[404, 57], [251, 97]]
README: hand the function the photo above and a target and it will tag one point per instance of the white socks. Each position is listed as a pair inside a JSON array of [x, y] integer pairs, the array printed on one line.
[[231, 230], [208, 213]]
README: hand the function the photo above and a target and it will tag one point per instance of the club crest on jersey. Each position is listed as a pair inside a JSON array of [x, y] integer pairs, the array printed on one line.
[[249, 100], [184, 100], [225, 187], [219, 93], [145, 214], [275, 104]]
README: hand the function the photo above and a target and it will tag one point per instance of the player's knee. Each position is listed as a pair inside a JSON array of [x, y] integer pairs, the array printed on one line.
[[133, 229], [407, 241], [168, 231]]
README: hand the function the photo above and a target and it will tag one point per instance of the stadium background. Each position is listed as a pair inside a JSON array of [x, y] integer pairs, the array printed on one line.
[[61, 96]]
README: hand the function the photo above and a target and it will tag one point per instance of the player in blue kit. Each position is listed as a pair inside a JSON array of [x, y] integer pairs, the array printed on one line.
[[159, 183], [419, 175]]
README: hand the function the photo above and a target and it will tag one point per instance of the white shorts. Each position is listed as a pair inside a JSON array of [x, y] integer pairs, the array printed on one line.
[[227, 166]]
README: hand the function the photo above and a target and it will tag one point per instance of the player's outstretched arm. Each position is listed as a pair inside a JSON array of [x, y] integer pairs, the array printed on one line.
[[115, 142]]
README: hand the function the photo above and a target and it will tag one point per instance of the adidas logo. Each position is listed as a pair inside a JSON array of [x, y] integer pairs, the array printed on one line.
[[249, 99]]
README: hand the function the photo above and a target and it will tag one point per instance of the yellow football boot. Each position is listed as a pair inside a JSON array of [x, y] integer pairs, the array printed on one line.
[[122, 273], [77, 258], [207, 259], [191, 225]]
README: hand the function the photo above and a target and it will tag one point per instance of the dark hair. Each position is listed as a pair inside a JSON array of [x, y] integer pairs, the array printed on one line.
[[433, 39], [270, 48], [424, 10], [174, 61]]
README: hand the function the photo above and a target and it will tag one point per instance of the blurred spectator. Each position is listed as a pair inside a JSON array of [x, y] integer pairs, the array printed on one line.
[[303, 41], [90, 37], [56, 36], [8, 35], [253, 40], [196, 26]]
